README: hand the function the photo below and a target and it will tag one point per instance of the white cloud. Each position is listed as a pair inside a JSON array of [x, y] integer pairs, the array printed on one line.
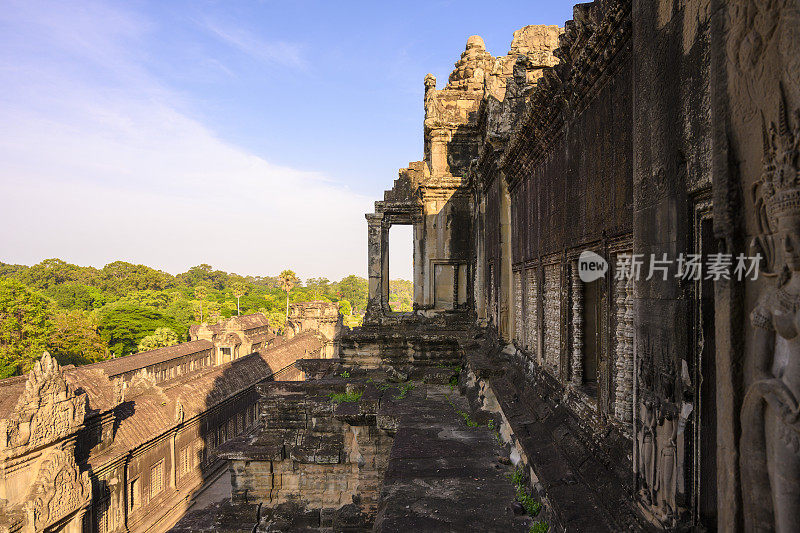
[[93, 171], [275, 52]]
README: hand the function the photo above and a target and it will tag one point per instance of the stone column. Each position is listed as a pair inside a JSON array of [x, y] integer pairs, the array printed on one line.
[[419, 262], [577, 325], [623, 401], [374, 265], [173, 473], [385, 266]]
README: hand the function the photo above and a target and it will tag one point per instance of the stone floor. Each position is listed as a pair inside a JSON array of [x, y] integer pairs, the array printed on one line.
[[444, 475], [447, 472]]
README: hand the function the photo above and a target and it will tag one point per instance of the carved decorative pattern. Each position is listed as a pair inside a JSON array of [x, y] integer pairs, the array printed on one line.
[[588, 48], [519, 329], [47, 410], [552, 317], [532, 312], [60, 489], [623, 401], [577, 326]]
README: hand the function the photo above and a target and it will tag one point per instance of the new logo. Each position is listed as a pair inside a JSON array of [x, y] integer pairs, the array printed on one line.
[[591, 266]]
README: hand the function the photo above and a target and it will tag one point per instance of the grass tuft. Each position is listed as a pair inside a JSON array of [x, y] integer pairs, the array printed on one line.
[[539, 527], [532, 506], [347, 397]]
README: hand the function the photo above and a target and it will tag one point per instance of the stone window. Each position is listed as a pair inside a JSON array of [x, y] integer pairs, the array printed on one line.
[[156, 479], [592, 346], [134, 498], [552, 318], [102, 515], [184, 461], [531, 312], [198, 452]]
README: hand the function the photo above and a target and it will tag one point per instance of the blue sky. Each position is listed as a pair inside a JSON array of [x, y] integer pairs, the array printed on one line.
[[252, 135]]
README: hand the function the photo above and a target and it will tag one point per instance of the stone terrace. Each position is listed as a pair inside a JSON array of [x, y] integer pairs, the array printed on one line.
[[404, 456]]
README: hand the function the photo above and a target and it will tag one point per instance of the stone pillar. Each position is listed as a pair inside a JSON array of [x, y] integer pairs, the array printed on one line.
[[439, 139], [481, 303], [173, 472], [374, 265], [623, 401], [385, 266], [577, 325], [419, 262]]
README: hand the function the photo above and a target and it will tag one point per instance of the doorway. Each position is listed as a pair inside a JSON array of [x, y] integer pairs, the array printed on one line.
[[401, 268]]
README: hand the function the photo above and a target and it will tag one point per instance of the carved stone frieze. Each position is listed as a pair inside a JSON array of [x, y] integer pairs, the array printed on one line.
[[47, 411], [770, 442], [623, 362], [577, 326], [59, 490]]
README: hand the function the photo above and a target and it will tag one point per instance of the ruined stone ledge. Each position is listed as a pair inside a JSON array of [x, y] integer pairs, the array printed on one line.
[[583, 473]]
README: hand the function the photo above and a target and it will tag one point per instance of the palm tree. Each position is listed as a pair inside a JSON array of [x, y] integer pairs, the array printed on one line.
[[288, 281], [239, 290], [200, 293]]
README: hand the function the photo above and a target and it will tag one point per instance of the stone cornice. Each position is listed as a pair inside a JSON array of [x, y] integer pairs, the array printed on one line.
[[589, 51]]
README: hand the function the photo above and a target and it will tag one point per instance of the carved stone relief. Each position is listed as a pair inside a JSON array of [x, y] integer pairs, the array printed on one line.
[[48, 410], [519, 327], [770, 444], [577, 325], [623, 363], [552, 317], [532, 312], [60, 489]]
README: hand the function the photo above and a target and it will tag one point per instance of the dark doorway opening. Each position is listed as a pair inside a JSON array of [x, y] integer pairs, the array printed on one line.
[[707, 460]]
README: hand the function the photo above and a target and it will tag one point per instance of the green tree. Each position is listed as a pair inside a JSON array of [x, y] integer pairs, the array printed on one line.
[[161, 338], [354, 289], [122, 326], [50, 272], [318, 285], [25, 327], [288, 282], [204, 275], [239, 290], [76, 296], [75, 340], [277, 321], [201, 293], [345, 308]]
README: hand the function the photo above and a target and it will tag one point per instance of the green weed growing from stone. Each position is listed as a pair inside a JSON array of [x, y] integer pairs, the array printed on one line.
[[467, 418], [347, 397], [404, 388], [539, 527], [345, 374], [531, 505]]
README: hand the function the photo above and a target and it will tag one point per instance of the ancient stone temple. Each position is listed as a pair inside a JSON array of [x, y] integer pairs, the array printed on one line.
[[124, 444], [605, 326]]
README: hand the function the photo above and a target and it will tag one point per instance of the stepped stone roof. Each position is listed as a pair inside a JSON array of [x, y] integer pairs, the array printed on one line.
[[147, 409], [120, 365]]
